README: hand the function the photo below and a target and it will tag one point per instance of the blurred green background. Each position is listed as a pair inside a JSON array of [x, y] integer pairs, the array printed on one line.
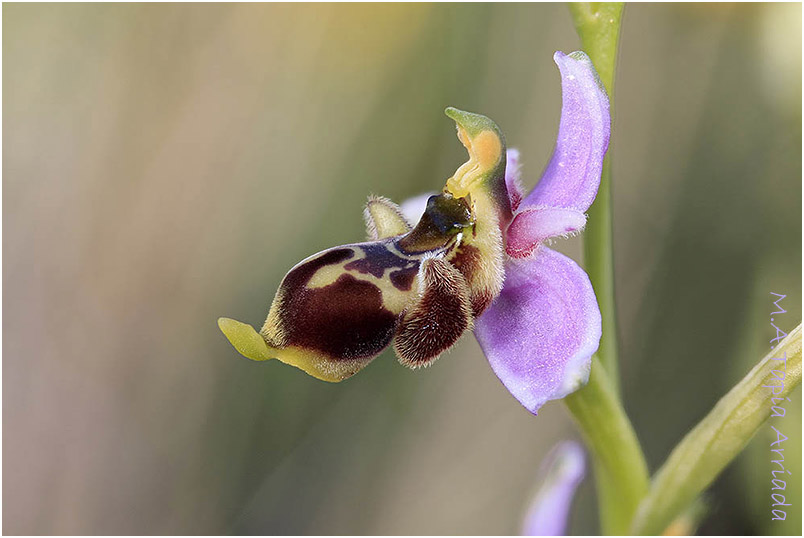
[[165, 165]]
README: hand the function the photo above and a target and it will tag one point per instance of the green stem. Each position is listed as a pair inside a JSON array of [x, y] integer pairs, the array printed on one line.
[[706, 450], [621, 473], [620, 470], [598, 26]]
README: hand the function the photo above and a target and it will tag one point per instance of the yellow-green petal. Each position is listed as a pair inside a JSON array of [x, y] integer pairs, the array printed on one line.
[[245, 339]]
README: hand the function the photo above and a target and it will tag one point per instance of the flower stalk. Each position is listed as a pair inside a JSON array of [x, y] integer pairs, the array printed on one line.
[[598, 26], [621, 474], [706, 450]]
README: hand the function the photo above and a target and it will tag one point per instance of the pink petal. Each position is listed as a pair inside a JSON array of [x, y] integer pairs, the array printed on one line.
[[572, 177], [540, 333], [532, 226], [413, 208], [562, 472], [512, 174]]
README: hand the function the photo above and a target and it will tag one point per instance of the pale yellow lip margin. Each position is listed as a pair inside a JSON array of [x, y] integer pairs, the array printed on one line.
[[250, 344], [485, 151]]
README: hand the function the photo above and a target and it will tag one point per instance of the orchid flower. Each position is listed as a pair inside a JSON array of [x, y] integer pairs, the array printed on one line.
[[540, 334], [474, 259], [562, 472]]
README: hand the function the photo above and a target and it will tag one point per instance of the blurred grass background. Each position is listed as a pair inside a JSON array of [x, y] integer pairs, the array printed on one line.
[[166, 164]]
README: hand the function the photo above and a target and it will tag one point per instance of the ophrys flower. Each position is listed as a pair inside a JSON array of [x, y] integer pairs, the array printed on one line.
[[421, 287]]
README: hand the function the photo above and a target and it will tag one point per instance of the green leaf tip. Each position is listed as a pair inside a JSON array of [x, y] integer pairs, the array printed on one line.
[[245, 339], [472, 123], [717, 439]]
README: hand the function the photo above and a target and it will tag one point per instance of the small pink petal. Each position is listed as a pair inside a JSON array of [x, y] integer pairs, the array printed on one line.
[[413, 208], [512, 178], [532, 226]]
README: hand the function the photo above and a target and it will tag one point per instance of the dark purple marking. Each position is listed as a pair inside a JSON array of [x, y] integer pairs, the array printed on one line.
[[378, 259], [301, 274], [344, 320], [402, 279]]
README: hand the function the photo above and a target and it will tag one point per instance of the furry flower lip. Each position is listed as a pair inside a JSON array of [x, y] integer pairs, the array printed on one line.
[[473, 260], [419, 287]]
